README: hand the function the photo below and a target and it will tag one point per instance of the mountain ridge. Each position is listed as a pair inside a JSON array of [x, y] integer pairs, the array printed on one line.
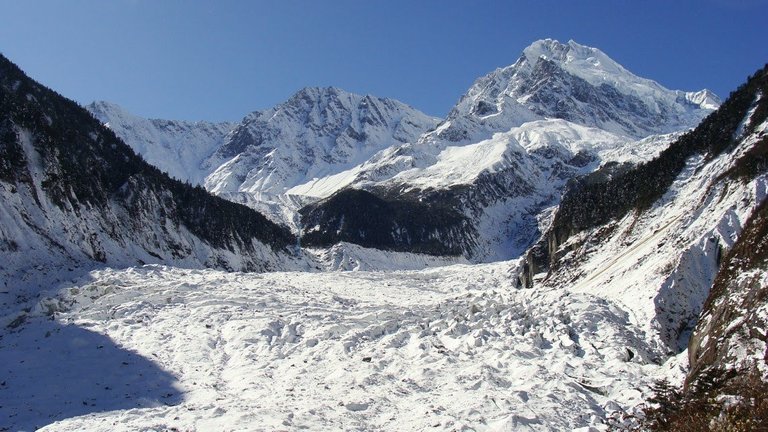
[[176, 147], [506, 149], [74, 194], [588, 88], [322, 141]]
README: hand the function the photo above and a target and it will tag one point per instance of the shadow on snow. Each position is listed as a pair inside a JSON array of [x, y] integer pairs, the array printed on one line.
[[50, 371]]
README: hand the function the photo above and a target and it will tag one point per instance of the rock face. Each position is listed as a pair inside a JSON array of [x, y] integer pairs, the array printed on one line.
[[731, 332], [73, 193]]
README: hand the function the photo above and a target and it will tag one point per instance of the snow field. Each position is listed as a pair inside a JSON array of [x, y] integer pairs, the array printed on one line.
[[456, 348]]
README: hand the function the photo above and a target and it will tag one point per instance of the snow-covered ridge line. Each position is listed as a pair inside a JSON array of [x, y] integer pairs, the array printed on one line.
[[576, 83], [317, 132], [176, 147], [515, 137], [594, 66]]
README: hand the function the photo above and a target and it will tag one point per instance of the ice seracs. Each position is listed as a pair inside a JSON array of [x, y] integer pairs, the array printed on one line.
[[441, 349]]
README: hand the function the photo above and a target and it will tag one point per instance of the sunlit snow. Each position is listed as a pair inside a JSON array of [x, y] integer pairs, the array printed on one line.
[[445, 349]]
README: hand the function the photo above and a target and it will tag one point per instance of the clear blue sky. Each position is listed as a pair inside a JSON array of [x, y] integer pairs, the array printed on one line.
[[220, 59]]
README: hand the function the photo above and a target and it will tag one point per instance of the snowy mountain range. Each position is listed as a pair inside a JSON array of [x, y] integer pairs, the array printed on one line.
[[501, 156], [318, 132], [566, 236], [507, 149]]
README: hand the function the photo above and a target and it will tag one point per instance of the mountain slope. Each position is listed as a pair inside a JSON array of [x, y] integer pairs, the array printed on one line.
[[176, 147], [73, 193], [500, 158], [730, 333], [653, 237]]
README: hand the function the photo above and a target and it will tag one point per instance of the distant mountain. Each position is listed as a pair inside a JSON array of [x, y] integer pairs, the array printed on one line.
[[316, 133], [576, 83], [176, 147], [478, 180], [506, 151], [73, 193]]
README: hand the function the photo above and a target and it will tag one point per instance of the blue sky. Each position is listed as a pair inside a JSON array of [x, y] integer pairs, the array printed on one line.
[[218, 60]]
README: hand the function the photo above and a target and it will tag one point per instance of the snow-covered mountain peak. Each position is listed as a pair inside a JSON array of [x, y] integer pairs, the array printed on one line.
[[323, 105], [588, 63], [316, 132], [703, 98], [318, 93], [577, 83], [309, 97], [106, 108], [550, 49]]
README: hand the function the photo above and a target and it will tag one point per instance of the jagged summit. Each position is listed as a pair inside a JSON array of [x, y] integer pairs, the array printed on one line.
[[318, 131], [595, 67], [317, 93], [588, 63]]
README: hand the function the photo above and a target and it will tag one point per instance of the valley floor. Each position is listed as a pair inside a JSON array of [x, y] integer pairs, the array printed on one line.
[[452, 348]]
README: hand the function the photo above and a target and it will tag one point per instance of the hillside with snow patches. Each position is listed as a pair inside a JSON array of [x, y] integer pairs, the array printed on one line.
[[74, 196], [372, 336]]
